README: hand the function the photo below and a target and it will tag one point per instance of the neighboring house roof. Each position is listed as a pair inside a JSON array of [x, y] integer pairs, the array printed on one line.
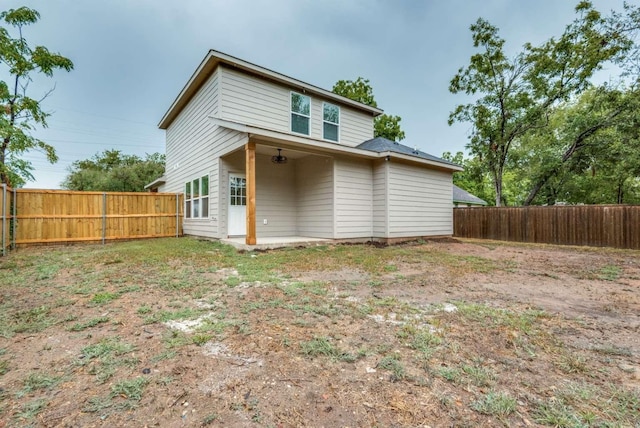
[[215, 58], [461, 196], [156, 183], [381, 144]]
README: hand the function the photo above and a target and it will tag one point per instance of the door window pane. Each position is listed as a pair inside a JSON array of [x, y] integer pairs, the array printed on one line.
[[237, 191]]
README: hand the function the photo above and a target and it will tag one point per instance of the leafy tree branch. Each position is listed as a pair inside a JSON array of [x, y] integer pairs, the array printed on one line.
[[387, 126], [19, 113]]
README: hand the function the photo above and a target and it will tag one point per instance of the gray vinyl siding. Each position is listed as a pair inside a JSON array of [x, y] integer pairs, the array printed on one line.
[[192, 129], [253, 101], [419, 201], [353, 198], [193, 145], [380, 195], [315, 196], [233, 163], [214, 197], [316, 118], [314, 178], [275, 198], [355, 127]]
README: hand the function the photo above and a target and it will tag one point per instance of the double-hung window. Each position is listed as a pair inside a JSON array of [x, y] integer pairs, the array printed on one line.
[[300, 113], [330, 122], [196, 198]]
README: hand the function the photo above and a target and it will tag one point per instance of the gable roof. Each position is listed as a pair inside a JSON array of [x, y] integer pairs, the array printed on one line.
[[214, 58], [462, 196], [381, 144]]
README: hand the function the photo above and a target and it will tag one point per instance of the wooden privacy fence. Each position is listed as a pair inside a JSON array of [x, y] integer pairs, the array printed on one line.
[[595, 225], [59, 216]]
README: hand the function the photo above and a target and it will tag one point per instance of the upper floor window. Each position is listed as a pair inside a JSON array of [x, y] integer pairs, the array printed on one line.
[[330, 121], [300, 113], [196, 198]]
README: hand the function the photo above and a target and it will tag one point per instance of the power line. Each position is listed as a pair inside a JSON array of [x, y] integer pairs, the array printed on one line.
[[134, 144], [105, 117], [110, 135]]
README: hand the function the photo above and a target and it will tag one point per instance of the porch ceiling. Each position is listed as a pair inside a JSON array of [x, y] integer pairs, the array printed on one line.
[[270, 149]]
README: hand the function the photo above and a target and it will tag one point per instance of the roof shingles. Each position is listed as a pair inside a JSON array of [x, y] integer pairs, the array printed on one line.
[[463, 197], [381, 144]]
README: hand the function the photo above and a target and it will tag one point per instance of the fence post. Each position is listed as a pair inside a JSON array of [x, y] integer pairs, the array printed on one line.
[[177, 214], [4, 219], [14, 219], [104, 218]]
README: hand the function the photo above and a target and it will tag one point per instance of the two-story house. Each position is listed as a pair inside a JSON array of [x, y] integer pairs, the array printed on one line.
[[262, 155]]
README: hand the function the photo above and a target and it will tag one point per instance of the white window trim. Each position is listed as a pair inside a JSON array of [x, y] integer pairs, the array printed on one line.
[[199, 198], [291, 112], [332, 123]]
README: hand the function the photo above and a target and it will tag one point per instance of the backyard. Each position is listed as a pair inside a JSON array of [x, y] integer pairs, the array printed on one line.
[[183, 332]]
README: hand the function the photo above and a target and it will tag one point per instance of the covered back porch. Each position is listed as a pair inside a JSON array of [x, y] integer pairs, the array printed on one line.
[[379, 190], [270, 201]]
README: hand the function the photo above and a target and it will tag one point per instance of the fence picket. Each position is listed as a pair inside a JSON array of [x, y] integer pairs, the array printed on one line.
[[615, 226], [60, 216]]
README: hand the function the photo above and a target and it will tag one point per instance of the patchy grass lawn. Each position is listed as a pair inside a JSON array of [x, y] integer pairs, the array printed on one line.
[[183, 332]]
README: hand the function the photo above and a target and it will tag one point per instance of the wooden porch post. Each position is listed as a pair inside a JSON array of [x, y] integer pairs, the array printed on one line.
[[250, 171]]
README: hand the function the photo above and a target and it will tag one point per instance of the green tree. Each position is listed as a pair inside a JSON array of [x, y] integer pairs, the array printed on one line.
[[358, 90], [112, 171], [590, 153], [578, 135], [627, 22], [517, 94], [387, 126], [19, 113]]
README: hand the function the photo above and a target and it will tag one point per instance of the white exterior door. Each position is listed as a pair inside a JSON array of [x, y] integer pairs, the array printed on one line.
[[237, 219]]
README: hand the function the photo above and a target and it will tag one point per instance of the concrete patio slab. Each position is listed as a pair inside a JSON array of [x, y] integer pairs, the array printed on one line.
[[276, 242]]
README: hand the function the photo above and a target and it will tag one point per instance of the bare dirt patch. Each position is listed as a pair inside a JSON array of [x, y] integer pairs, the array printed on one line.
[[179, 333]]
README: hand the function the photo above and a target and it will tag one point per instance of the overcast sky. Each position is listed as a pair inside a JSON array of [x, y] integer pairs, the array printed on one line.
[[132, 57]]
